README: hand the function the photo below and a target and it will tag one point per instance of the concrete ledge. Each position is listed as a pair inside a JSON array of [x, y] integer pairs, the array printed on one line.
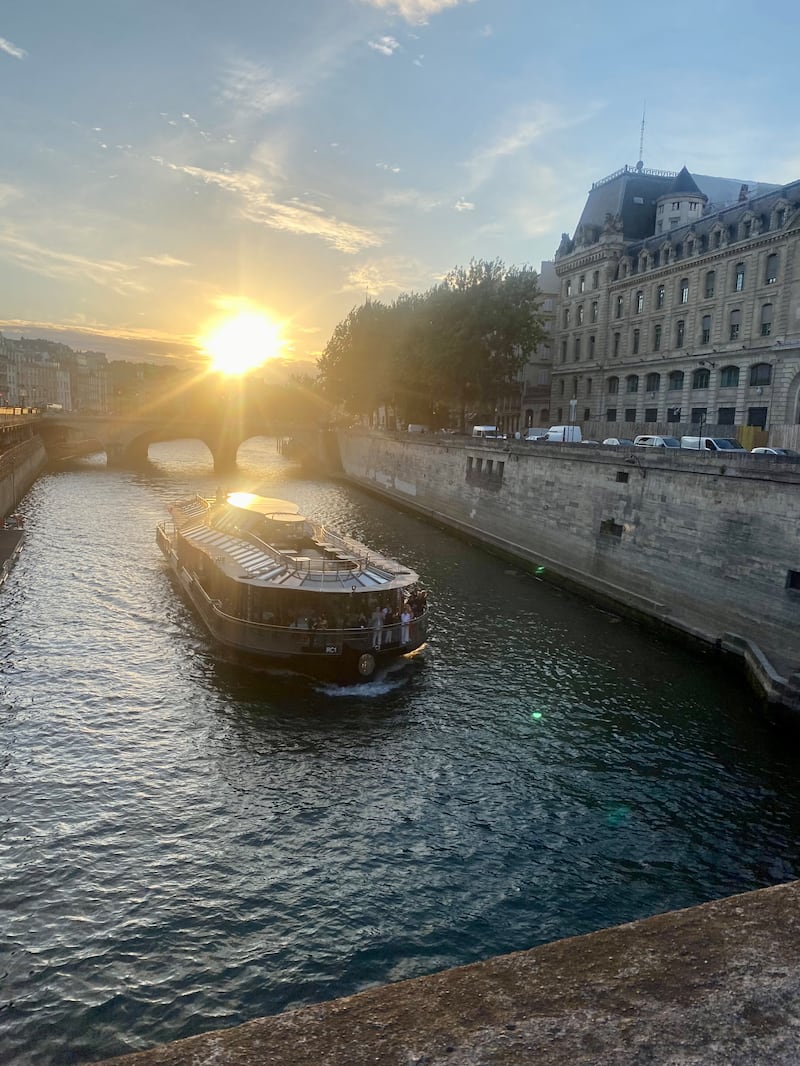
[[717, 985]]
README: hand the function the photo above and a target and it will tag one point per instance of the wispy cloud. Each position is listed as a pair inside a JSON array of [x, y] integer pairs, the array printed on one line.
[[416, 11], [12, 49], [387, 277], [385, 45], [253, 88], [521, 131], [48, 262], [165, 260], [257, 204], [464, 205]]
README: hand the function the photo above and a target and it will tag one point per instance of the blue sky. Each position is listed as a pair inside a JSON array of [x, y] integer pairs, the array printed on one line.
[[166, 162]]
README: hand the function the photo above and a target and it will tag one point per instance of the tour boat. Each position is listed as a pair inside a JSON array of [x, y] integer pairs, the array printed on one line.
[[275, 589]]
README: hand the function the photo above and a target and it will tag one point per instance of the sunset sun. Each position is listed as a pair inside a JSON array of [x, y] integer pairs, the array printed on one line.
[[242, 342]]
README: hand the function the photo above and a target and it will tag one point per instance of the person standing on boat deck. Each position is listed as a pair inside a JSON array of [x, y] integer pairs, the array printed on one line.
[[377, 626], [405, 624]]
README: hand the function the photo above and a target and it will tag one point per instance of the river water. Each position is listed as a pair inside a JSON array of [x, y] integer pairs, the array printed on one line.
[[185, 847]]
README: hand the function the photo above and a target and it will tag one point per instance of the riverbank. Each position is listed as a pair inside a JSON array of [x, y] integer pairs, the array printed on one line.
[[715, 984], [702, 548]]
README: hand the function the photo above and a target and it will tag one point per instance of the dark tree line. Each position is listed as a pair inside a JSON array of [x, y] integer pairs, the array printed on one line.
[[454, 348]]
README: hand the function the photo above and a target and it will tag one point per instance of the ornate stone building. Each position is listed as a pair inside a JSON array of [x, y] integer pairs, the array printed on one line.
[[679, 303]]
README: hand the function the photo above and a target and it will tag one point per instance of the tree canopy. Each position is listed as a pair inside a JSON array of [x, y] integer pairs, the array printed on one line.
[[455, 347]]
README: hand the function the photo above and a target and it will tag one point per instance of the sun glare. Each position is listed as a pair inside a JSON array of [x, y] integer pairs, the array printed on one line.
[[242, 342]]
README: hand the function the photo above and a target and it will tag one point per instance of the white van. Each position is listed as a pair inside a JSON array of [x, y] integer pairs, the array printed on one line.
[[564, 433], [486, 431], [712, 444]]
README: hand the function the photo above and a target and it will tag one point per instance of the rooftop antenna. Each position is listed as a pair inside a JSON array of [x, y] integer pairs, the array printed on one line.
[[640, 164]]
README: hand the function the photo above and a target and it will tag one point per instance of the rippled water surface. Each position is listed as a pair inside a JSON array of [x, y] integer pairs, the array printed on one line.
[[185, 847]]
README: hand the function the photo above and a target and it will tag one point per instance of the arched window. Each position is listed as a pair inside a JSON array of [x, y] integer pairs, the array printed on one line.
[[701, 378], [729, 377], [761, 374], [632, 383], [636, 339], [579, 313], [544, 416], [736, 324], [652, 383], [612, 388], [766, 320], [566, 317], [675, 381]]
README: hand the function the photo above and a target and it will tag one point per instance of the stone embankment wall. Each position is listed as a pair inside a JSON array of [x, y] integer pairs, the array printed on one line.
[[716, 984], [20, 465], [706, 544]]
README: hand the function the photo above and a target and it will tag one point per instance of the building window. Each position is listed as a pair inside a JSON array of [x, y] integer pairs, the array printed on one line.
[[701, 378], [652, 383], [630, 414], [660, 294], [692, 205], [587, 414], [579, 314], [675, 381], [588, 386], [699, 416], [757, 416], [632, 383], [582, 283], [563, 351], [568, 287], [596, 279], [577, 349], [736, 324], [673, 414], [657, 337], [566, 317], [738, 279], [705, 332], [747, 229], [711, 278], [636, 342], [676, 205], [619, 307], [780, 215], [611, 414], [613, 386], [761, 374], [726, 416], [766, 320], [683, 291], [594, 310], [617, 338], [592, 340], [651, 414], [729, 377], [622, 476], [680, 333], [639, 302], [772, 269]]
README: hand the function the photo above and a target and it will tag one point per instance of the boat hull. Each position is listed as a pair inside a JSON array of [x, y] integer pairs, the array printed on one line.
[[342, 657]]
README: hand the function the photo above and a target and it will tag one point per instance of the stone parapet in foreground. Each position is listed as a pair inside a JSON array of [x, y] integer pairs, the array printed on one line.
[[717, 985]]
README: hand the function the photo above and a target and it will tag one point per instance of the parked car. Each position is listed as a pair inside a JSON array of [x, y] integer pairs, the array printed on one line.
[[712, 444], [534, 434], [787, 453], [647, 440], [617, 440]]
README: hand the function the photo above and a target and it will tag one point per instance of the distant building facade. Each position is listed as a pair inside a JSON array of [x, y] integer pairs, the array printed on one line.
[[679, 302], [34, 373]]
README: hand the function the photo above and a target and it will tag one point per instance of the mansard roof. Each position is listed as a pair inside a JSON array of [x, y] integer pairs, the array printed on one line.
[[632, 193]]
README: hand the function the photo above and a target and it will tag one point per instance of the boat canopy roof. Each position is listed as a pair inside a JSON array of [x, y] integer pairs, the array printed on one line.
[[266, 505]]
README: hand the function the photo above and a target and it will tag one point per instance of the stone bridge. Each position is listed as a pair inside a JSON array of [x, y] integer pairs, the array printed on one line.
[[125, 438]]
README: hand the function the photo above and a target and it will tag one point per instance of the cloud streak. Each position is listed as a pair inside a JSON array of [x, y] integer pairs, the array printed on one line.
[[417, 12], [66, 266], [12, 49], [258, 205]]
